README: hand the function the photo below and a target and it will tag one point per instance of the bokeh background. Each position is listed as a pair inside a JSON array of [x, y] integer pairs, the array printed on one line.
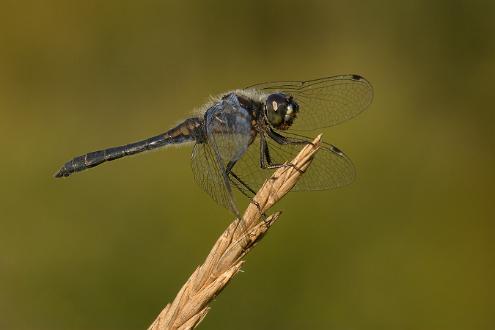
[[409, 245]]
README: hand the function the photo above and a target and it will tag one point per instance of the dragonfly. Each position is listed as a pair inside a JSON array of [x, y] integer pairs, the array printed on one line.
[[241, 136]]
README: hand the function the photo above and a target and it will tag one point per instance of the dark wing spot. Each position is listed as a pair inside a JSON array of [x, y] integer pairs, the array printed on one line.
[[356, 77]]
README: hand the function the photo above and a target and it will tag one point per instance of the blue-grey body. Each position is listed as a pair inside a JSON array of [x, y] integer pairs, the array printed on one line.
[[265, 115]]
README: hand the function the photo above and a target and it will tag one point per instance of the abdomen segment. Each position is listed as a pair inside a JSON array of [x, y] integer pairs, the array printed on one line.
[[189, 130]]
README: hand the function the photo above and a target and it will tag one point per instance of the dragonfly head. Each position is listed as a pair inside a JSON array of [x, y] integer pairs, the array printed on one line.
[[281, 110]]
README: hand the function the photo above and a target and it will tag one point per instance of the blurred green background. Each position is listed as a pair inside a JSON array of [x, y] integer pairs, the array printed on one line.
[[409, 245]]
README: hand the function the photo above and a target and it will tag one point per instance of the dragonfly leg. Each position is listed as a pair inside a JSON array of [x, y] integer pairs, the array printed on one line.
[[246, 191], [265, 159], [280, 139], [244, 188]]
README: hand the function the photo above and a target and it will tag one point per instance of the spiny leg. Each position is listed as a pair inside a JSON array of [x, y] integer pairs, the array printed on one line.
[[244, 188], [281, 139], [265, 158]]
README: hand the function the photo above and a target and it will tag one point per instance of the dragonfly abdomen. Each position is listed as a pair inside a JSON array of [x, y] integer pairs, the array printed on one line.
[[189, 130]]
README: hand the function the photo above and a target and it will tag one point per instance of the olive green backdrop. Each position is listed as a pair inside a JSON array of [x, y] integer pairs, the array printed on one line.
[[409, 245]]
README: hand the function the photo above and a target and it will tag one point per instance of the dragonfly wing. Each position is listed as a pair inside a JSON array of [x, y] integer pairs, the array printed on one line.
[[209, 174], [228, 133], [330, 168], [326, 101]]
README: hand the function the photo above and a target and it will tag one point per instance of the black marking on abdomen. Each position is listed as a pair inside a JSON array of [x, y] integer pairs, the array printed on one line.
[[189, 130]]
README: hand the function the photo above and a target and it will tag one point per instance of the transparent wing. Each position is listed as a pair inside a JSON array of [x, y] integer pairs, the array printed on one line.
[[331, 168], [228, 133], [324, 102], [208, 173], [248, 170]]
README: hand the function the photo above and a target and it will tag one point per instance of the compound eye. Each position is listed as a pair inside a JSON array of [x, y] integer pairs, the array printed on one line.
[[276, 102], [276, 105]]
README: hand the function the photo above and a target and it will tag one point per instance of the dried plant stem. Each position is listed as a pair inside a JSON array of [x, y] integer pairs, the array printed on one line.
[[225, 258]]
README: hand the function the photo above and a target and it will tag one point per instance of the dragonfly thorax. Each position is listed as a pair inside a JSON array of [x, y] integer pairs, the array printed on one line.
[[281, 110]]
